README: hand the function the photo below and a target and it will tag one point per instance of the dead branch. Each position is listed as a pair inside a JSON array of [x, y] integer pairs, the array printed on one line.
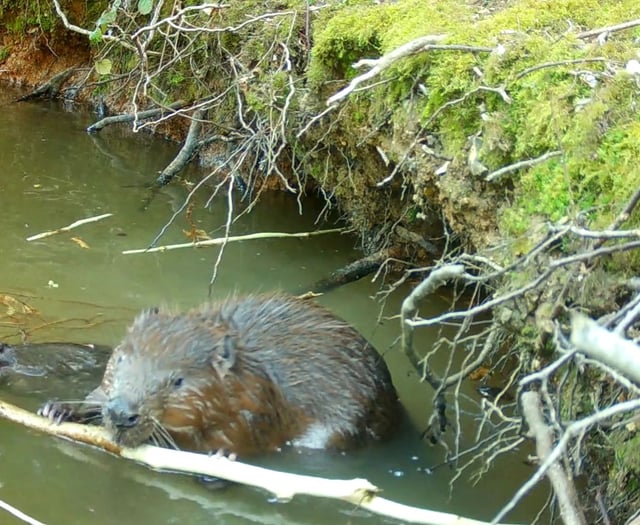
[[284, 486], [70, 227], [19, 514], [609, 29], [425, 43], [563, 487], [575, 429], [351, 272], [186, 153], [51, 88], [545, 65], [614, 351], [521, 164], [437, 278], [382, 63], [141, 115], [222, 240]]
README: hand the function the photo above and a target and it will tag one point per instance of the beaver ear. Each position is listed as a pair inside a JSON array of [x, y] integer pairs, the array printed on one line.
[[224, 356]]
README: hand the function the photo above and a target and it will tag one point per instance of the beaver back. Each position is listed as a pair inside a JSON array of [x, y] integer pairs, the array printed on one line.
[[248, 375]]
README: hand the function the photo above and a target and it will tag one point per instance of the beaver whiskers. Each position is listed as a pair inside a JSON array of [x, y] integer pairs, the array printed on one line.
[[161, 437]]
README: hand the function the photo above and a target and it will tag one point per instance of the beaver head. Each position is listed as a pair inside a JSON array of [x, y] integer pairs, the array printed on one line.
[[159, 380]]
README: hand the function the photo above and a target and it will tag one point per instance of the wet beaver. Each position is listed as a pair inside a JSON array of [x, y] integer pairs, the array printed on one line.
[[51, 368], [246, 376]]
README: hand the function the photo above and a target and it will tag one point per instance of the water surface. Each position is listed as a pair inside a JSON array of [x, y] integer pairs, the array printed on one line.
[[54, 174]]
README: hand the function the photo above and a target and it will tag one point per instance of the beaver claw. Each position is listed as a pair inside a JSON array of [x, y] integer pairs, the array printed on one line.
[[56, 412]]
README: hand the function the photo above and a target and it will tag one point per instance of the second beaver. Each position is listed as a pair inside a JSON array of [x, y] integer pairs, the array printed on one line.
[[246, 375]]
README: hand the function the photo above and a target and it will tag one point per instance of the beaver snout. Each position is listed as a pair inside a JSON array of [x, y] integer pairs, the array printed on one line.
[[121, 414]]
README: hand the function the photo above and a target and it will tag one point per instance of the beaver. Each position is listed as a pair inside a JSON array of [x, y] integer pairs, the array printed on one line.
[[49, 368], [244, 376]]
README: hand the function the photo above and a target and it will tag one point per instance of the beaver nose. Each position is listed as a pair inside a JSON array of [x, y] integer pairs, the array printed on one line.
[[121, 413]]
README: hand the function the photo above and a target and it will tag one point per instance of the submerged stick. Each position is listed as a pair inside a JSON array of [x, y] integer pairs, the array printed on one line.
[[223, 240], [19, 514], [70, 227], [282, 485]]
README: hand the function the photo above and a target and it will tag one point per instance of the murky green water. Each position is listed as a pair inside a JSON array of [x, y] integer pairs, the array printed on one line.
[[53, 173]]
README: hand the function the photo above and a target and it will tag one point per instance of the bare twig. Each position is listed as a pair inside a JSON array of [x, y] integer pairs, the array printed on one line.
[[70, 227], [19, 514], [563, 487], [222, 240], [522, 164], [609, 29], [410, 305], [571, 431], [378, 65], [544, 65]]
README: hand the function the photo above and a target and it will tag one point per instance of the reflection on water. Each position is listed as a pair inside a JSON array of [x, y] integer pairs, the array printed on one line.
[[55, 289]]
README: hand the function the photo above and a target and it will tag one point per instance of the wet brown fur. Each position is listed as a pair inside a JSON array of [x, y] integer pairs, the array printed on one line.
[[247, 375]]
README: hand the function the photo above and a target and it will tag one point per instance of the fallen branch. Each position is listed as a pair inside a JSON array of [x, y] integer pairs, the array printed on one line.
[[141, 115], [607, 347], [410, 305], [351, 272], [70, 227], [51, 88], [284, 486], [609, 29], [187, 151], [224, 240], [574, 429], [19, 514], [563, 487], [382, 63], [522, 164]]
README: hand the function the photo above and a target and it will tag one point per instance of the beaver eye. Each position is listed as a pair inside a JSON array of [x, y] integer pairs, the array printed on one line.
[[177, 383]]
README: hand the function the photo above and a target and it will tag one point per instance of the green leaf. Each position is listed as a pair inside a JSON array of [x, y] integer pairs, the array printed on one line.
[[95, 36], [145, 6], [107, 17], [103, 67]]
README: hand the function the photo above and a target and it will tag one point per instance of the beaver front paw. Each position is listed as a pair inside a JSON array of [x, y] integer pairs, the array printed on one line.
[[57, 412]]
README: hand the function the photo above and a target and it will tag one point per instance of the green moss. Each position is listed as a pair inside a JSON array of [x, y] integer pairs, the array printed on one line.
[[18, 16]]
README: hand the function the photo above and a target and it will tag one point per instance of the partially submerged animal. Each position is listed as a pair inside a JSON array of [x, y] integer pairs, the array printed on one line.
[[245, 375]]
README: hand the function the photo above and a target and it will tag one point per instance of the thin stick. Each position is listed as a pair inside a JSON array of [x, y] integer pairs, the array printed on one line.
[[70, 227], [610, 29], [521, 164], [223, 240], [19, 514], [282, 485]]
